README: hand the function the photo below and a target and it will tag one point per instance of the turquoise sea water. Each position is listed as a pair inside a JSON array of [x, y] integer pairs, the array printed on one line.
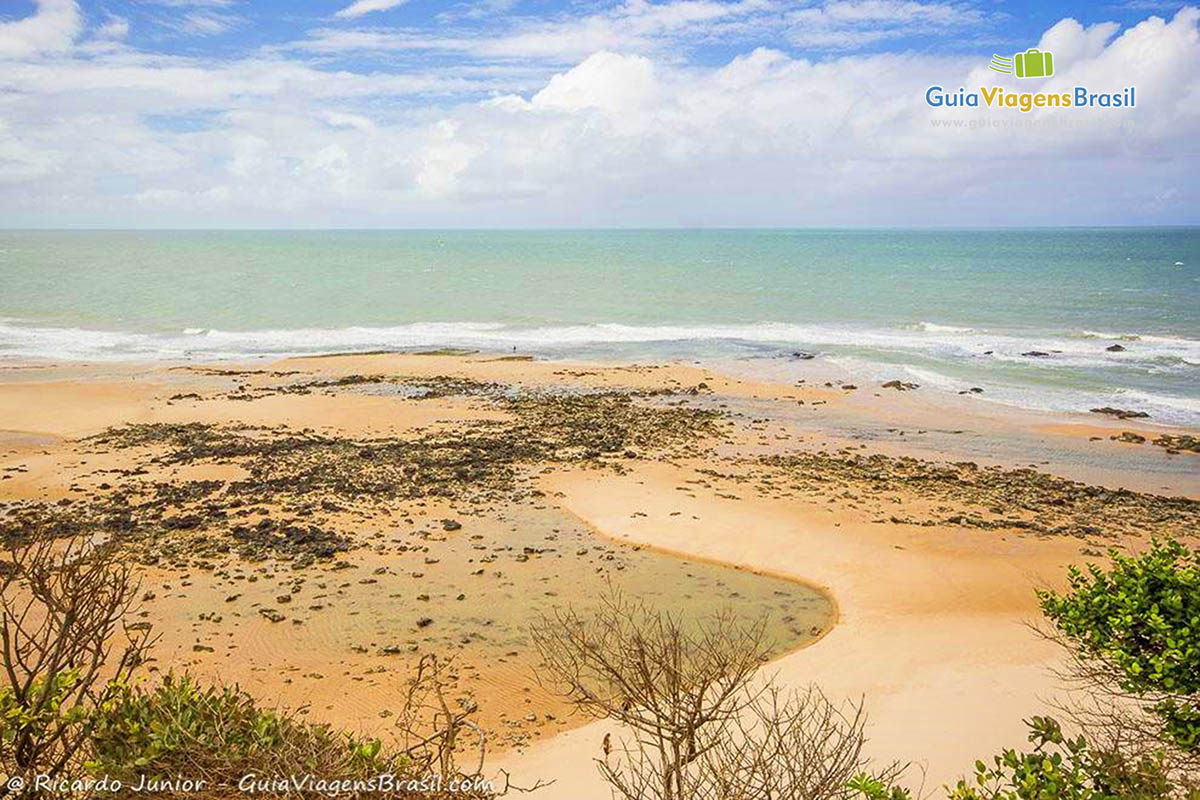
[[946, 308]]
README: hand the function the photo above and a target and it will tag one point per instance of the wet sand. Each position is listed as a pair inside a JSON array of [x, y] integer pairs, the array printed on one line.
[[425, 572], [930, 589]]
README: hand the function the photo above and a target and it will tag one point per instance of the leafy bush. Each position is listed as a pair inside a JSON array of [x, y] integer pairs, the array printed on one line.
[[217, 734], [1137, 626], [16, 717], [181, 728], [874, 787], [1059, 768], [1056, 768]]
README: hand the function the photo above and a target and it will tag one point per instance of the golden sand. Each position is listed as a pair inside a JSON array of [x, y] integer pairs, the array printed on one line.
[[931, 619]]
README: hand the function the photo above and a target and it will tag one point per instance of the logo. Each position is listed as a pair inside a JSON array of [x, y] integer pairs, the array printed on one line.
[[1033, 63]]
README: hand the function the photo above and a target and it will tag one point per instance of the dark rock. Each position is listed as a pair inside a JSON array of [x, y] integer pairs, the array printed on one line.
[[992, 498], [1120, 413], [1178, 443]]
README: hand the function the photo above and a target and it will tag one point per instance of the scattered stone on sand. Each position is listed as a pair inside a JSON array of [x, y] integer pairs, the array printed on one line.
[[991, 498], [900, 386], [304, 476], [1179, 443]]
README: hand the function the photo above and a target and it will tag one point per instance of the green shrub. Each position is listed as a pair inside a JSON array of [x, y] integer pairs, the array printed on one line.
[[1056, 768], [16, 717], [218, 734], [872, 787], [1138, 625], [1059, 768], [39, 714]]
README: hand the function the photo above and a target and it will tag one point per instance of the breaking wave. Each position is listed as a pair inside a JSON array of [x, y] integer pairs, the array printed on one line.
[[1064, 349], [1064, 370]]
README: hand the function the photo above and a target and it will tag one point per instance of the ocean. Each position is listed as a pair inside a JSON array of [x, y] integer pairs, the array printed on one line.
[[1116, 311]]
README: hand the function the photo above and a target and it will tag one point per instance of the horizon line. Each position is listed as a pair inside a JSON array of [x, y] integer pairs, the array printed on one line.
[[606, 228]]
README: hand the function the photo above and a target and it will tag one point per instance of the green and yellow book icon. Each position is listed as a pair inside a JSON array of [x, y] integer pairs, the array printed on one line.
[[1033, 63]]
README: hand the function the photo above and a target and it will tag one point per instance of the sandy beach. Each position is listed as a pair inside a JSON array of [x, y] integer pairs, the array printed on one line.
[[647, 399], [307, 527]]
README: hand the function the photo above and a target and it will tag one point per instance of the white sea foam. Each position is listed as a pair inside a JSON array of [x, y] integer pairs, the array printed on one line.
[[928, 377], [1162, 408], [932, 339], [970, 356], [1191, 405], [934, 327], [1128, 337]]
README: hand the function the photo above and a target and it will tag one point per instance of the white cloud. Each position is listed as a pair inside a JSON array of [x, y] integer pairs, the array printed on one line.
[[21, 162], [1070, 41], [131, 82], [114, 28], [845, 24], [647, 27], [204, 23], [339, 119], [478, 9], [633, 26], [53, 28], [621, 136], [361, 7], [607, 81], [193, 3]]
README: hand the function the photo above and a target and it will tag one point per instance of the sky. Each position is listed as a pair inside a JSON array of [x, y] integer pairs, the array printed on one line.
[[556, 113]]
